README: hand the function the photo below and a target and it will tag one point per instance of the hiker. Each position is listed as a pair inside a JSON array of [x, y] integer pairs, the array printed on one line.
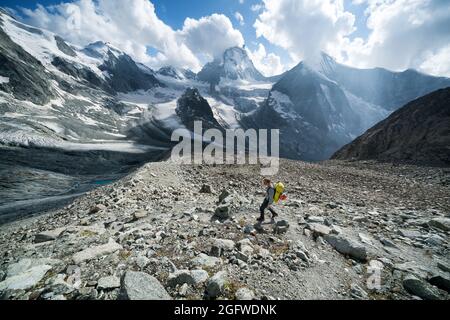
[[268, 201]]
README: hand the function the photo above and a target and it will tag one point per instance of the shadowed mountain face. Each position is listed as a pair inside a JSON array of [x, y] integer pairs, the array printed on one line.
[[417, 133], [193, 107], [325, 105]]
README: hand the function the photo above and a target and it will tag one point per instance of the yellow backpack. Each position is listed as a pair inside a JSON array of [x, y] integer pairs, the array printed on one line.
[[279, 190]]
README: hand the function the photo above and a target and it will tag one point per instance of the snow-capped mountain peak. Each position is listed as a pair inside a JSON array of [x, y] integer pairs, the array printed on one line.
[[234, 65], [321, 63], [102, 50]]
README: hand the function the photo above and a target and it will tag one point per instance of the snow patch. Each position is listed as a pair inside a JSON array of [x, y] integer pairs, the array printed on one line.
[[4, 80]]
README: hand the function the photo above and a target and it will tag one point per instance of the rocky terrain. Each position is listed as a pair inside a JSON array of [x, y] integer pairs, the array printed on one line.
[[418, 132], [171, 231]]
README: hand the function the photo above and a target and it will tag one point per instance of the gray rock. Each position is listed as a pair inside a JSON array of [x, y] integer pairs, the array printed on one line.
[[108, 283], [315, 219], [443, 266], [302, 255], [249, 229], [319, 229], [420, 288], [245, 294], [26, 264], [206, 189], [412, 267], [142, 286], [435, 240], [26, 279], [180, 277], [225, 194], [202, 260], [410, 234], [388, 243], [347, 246], [358, 293], [95, 252], [441, 281], [222, 211], [199, 276], [140, 214], [48, 235], [216, 285], [440, 223], [221, 245]]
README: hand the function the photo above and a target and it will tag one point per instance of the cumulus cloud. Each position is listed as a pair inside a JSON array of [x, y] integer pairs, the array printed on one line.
[[268, 64], [405, 34], [304, 27], [402, 33], [133, 27], [210, 36]]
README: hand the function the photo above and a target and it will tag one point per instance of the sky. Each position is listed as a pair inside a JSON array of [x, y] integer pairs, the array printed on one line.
[[277, 34]]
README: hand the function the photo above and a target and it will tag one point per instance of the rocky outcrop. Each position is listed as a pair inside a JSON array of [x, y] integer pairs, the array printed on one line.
[[191, 107]]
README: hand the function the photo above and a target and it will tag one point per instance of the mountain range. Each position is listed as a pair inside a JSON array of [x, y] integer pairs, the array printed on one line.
[[97, 104]]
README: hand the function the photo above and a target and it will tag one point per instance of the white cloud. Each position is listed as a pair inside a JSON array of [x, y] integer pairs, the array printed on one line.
[[256, 7], [133, 26], [210, 36], [304, 27], [239, 17], [402, 33], [405, 34], [268, 64]]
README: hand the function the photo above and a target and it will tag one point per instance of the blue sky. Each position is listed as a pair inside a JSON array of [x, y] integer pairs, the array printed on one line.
[[289, 29]]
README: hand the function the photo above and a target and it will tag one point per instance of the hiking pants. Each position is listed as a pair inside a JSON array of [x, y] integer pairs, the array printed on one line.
[[263, 208]]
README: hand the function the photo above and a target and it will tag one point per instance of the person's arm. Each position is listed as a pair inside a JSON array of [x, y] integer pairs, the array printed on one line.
[[271, 194]]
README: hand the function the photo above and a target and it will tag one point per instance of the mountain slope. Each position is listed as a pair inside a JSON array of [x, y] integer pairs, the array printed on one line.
[[325, 105], [418, 132]]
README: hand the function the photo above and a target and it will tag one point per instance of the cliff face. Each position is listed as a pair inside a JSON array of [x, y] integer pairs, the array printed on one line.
[[418, 133]]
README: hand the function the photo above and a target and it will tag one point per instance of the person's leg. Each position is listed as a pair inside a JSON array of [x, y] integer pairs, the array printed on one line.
[[273, 212], [262, 209]]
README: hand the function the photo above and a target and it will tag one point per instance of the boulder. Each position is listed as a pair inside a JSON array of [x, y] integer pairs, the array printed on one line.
[[347, 246], [319, 229], [142, 286], [180, 277], [410, 234], [441, 281], [108, 283], [221, 245], [199, 276], [216, 285], [97, 208], [223, 212], [203, 260], [48, 235], [315, 219], [25, 280], [420, 288], [206, 189], [95, 252], [140, 214], [440, 223]]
